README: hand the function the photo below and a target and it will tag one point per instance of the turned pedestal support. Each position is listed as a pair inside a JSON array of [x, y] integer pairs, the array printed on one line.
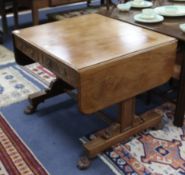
[[126, 126]]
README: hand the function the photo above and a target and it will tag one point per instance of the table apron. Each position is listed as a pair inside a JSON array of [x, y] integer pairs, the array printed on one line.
[[60, 69]]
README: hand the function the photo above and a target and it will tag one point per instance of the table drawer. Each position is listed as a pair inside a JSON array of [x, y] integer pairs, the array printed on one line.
[[61, 70]]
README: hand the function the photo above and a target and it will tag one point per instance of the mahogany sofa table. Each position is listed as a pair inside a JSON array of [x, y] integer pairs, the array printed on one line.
[[170, 27], [107, 61]]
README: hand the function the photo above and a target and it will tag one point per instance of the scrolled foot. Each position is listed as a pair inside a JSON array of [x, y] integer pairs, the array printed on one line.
[[83, 163]]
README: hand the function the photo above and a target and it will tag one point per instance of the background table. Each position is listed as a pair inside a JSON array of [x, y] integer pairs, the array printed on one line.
[[35, 5]]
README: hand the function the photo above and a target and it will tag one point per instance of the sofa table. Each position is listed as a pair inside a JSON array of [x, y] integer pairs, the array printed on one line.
[[108, 62]]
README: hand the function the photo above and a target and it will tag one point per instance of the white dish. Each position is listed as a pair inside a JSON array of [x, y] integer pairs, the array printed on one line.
[[124, 7], [171, 10], [157, 19], [147, 17], [182, 27], [148, 13], [142, 4]]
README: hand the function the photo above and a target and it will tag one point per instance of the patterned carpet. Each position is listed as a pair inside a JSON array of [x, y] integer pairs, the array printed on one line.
[[40, 73], [15, 157], [14, 87], [6, 56], [156, 152]]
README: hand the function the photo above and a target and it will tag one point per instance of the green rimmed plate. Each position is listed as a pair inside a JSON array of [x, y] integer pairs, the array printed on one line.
[[139, 18], [142, 4]]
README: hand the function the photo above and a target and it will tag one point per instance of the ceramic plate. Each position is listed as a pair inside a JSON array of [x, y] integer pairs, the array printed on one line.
[[139, 18], [142, 4], [124, 7], [171, 10], [182, 27]]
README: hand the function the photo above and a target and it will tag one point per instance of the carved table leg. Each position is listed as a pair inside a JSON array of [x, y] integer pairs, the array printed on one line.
[[35, 13], [15, 12], [56, 88], [108, 2], [180, 107], [1, 37]]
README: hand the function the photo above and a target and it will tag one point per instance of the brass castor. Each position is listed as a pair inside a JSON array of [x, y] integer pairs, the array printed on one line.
[[84, 162], [30, 109]]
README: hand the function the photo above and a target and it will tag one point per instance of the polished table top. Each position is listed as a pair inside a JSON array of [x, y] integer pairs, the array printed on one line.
[[100, 56], [90, 40]]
